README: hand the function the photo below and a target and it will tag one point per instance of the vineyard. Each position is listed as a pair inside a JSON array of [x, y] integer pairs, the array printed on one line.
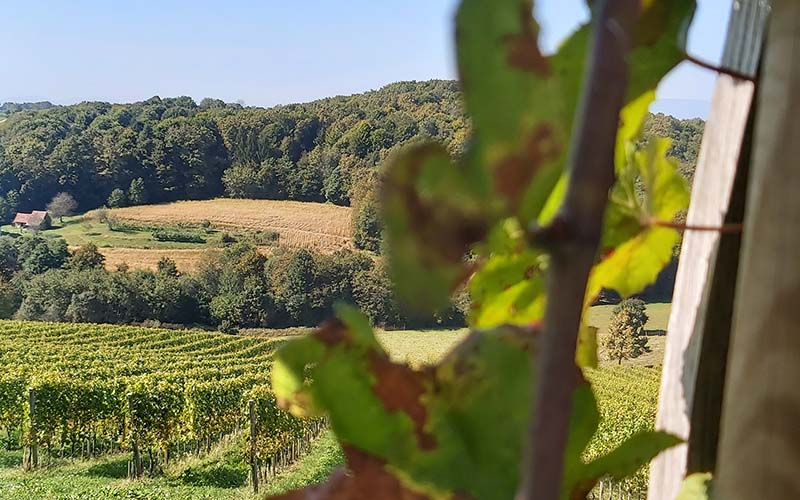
[[628, 399], [100, 388], [86, 390]]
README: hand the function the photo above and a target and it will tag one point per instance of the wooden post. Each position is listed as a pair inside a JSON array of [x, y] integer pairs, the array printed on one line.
[[30, 458], [251, 412], [693, 376], [759, 454], [136, 467]]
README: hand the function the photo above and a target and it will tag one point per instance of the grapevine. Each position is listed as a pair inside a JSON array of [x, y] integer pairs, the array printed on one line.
[[98, 387], [535, 242]]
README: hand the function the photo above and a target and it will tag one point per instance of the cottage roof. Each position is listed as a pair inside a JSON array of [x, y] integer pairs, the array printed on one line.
[[34, 218]]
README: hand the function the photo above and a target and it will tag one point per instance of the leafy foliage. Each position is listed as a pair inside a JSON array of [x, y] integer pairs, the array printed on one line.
[[114, 384], [168, 149], [236, 285], [62, 204], [696, 486], [86, 257], [492, 217], [625, 338]]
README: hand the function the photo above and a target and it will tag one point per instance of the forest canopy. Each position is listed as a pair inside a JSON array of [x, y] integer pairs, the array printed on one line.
[[169, 149]]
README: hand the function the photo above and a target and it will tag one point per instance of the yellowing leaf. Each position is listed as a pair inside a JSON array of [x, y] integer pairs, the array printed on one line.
[[508, 289], [632, 266], [696, 487]]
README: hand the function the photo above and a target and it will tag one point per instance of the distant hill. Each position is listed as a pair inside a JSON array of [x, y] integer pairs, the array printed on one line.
[[8, 108], [167, 149], [184, 150]]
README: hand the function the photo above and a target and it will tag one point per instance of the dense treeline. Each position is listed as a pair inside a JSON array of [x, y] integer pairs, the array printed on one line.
[[171, 149], [686, 136], [168, 149], [234, 287], [8, 108]]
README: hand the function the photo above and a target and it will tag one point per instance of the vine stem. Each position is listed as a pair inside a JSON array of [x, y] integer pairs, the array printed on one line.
[[572, 256], [719, 69], [732, 228]]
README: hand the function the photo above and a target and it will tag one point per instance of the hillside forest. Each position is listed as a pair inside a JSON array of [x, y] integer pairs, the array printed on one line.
[[162, 150]]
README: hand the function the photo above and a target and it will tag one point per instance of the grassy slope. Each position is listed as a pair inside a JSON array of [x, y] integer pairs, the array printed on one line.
[[78, 230], [99, 479], [405, 345], [325, 455]]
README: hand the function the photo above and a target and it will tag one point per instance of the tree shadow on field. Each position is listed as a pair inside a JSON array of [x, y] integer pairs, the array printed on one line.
[[116, 468], [10, 459], [223, 474], [655, 333]]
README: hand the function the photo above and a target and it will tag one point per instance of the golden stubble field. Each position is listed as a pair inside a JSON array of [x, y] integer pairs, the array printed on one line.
[[186, 260], [318, 226]]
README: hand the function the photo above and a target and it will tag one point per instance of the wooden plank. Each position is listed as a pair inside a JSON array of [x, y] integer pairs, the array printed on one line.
[[713, 185], [699, 326], [759, 455], [742, 51], [718, 317]]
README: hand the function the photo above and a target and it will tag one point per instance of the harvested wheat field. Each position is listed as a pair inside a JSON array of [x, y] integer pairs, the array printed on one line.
[[147, 258], [317, 226]]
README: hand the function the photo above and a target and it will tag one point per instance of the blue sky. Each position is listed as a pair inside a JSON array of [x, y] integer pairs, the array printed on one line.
[[267, 52]]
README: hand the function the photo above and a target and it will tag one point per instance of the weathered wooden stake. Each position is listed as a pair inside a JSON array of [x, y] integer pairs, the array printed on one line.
[[251, 411], [31, 457]]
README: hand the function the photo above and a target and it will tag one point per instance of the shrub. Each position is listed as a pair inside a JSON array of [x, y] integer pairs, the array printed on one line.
[[117, 198], [263, 237], [177, 236], [86, 257]]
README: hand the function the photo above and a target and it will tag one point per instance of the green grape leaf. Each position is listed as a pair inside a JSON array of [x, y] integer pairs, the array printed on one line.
[[631, 455], [433, 214], [367, 477], [583, 424], [632, 119], [696, 486], [512, 94], [289, 375], [508, 289], [433, 433], [521, 105], [659, 42], [586, 353], [648, 189], [659, 45], [632, 266]]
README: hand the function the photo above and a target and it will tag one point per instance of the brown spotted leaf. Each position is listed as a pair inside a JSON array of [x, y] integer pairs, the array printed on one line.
[[433, 215], [423, 433], [367, 477]]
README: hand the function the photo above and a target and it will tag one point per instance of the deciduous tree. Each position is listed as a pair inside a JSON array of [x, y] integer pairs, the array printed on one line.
[[62, 204]]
